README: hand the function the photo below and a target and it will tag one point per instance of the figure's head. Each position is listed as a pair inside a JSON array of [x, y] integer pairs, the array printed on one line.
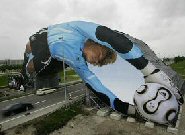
[[97, 54], [156, 103]]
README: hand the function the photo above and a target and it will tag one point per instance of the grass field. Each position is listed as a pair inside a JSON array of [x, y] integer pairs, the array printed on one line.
[[70, 76], [3, 80], [179, 68], [57, 119], [46, 124]]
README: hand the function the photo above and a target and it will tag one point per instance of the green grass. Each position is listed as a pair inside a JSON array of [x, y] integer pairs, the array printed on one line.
[[3, 80], [69, 72], [56, 120], [70, 76], [179, 68]]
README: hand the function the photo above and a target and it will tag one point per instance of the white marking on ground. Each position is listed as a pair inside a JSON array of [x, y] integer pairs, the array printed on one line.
[[75, 91], [23, 115], [37, 102], [43, 101], [31, 112], [79, 96]]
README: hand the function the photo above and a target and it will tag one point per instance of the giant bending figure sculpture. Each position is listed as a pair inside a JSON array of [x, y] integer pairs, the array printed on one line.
[[79, 43]]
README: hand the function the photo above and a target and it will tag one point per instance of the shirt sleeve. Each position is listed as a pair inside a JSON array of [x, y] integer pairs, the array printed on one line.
[[113, 39], [87, 29], [91, 79]]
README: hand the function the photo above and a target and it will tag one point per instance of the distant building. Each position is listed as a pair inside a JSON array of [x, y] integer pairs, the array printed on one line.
[[152, 57], [11, 62]]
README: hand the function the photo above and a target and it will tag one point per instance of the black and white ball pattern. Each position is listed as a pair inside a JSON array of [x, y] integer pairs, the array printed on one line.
[[156, 103]]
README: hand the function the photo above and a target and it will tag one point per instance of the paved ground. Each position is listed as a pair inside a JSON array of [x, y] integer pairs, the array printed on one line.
[[96, 125], [182, 122]]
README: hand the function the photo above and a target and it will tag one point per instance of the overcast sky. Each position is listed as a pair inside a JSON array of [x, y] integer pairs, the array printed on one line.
[[159, 23]]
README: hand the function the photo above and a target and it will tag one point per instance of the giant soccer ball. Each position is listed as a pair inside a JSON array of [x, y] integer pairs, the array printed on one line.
[[154, 102]]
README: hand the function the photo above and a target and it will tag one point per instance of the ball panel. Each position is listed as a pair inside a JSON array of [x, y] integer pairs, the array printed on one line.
[[156, 103]]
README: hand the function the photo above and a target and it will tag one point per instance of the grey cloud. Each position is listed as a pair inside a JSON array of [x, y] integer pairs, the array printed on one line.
[[164, 19], [4, 37], [105, 12], [153, 21], [101, 10], [165, 8]]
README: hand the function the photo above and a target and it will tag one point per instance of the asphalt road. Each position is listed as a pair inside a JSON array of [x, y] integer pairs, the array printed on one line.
[[45, 100]]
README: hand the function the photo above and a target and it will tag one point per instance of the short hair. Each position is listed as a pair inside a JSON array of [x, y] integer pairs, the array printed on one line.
[[109, 55]]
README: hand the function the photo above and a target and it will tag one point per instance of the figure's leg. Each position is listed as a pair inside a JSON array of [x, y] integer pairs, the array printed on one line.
[[130, 52], [120, 43], [37, 55]]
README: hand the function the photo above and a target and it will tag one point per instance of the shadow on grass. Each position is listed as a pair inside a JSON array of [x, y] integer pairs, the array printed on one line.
[[58, 119]]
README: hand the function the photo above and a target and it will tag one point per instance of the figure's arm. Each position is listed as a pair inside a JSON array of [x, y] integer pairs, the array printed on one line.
[[112, 39], [101, 91], [87, 29], [126, 49]]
